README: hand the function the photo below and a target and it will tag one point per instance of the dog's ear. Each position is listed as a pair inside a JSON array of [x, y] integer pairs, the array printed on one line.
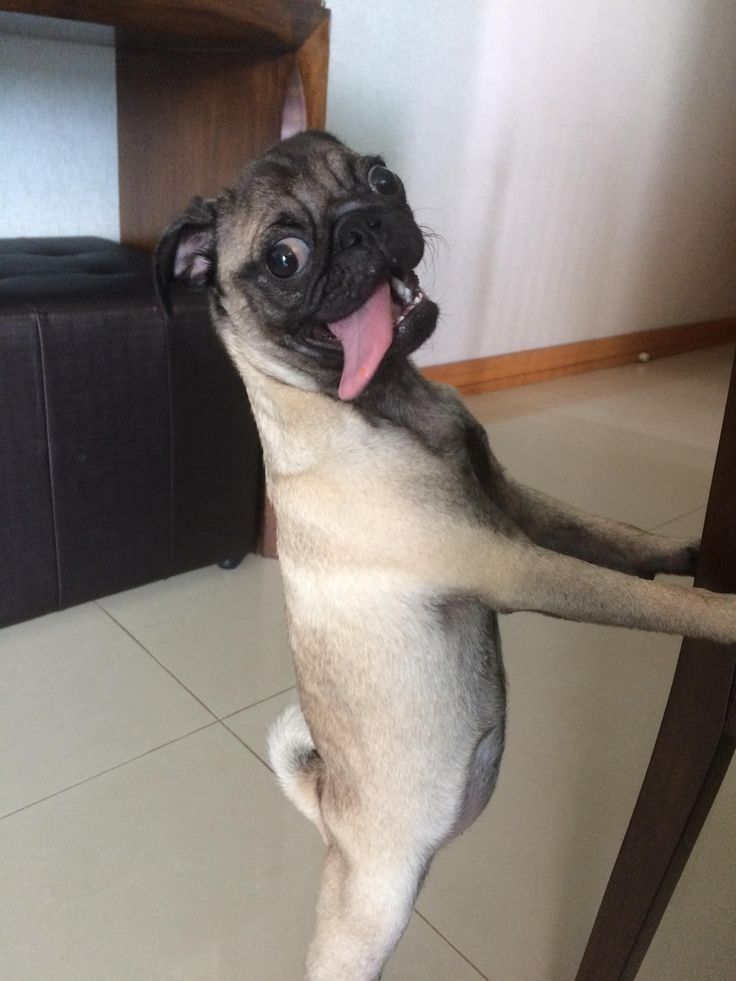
[[186, 251], [294, 109]]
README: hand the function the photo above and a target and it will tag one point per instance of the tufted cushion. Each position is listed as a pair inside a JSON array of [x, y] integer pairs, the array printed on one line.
[[38, 273], [127, 448]]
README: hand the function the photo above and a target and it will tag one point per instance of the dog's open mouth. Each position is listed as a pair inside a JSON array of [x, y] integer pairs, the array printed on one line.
[[405, 294], [366, 334]]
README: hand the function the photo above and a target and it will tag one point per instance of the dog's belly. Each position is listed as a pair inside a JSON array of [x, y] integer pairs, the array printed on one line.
[[404, 693], [399, 675]]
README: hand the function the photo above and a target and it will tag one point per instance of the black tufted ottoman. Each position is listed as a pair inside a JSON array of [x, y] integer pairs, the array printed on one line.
[[127, 448]]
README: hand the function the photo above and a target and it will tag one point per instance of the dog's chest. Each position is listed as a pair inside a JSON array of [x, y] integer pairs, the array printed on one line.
[[335, 476], [360, 498], [358, 505]]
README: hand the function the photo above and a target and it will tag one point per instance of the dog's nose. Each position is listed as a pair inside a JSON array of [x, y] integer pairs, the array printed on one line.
[[356, 228]]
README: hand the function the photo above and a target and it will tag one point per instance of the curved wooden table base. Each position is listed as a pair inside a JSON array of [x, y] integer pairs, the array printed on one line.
[[691, 755]]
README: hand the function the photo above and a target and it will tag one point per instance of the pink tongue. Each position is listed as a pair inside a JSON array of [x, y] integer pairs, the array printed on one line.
[[365, 336]]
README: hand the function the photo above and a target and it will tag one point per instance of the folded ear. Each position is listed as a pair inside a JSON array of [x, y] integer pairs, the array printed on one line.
[[186, 251]]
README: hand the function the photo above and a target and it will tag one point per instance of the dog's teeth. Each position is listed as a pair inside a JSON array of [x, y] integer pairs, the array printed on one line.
[[407, 296], [402, 291]]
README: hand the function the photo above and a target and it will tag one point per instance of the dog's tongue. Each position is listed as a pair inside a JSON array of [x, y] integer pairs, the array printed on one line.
[[365, 336]]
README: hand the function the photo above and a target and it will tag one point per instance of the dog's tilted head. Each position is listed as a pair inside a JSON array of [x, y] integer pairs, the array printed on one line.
[[309, 259]]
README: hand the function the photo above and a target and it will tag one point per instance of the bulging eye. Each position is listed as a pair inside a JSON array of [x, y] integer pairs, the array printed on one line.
[[287, 257], [383, 181]]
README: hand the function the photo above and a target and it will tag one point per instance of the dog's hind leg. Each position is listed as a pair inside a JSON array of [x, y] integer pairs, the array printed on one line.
[[364, 906], [366, 894]]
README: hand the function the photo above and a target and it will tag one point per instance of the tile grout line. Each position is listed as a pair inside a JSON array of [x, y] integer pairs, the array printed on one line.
[[160, 664], [260, 701], [678, 517], [246, 746], [110, 769], [219, 718], [450, 944], [216, 718]]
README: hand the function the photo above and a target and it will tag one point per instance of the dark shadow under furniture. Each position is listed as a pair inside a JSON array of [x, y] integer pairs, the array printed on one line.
[[127, 448], [693, 750]]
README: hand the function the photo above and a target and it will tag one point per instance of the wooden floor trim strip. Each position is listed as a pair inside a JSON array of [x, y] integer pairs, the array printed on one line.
[[525, 367]]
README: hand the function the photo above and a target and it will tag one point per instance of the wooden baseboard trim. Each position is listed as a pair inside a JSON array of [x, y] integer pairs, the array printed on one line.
[[526, 367]]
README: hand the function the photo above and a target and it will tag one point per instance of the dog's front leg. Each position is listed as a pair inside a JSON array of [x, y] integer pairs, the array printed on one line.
[[520, 576], [562, 528]]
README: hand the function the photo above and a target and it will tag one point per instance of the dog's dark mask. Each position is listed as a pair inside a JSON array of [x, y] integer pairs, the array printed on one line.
[[309, 259]]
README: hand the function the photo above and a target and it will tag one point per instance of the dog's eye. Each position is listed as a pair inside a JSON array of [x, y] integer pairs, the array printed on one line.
[[287, 257], [383, 181]]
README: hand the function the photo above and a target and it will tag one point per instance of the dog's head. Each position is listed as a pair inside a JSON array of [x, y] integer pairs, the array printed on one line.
[[309, 259]]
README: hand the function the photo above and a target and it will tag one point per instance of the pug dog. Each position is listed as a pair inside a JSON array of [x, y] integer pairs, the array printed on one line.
[[400, 536]]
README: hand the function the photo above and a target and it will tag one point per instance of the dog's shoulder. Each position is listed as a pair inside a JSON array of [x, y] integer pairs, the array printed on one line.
[[435, 416]]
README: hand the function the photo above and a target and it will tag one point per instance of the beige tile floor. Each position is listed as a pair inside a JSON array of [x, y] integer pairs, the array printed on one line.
[[142, 836]]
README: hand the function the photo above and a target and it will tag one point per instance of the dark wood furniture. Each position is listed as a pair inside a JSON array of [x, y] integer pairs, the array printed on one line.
[[200, 88], [691, 755], [200, 91]]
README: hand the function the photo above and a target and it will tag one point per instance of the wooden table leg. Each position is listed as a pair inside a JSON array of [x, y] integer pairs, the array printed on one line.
[[267, 539], [691, 755]]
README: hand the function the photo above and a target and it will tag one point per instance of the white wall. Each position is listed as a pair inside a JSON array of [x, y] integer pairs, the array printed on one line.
[[578, 156], [58, 137]]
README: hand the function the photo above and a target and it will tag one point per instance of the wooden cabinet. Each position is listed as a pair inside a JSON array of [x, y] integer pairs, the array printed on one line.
[[200, 88]]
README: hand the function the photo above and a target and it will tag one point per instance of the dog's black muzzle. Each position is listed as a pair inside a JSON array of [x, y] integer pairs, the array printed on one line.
[[390, 231], [369, 244]]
